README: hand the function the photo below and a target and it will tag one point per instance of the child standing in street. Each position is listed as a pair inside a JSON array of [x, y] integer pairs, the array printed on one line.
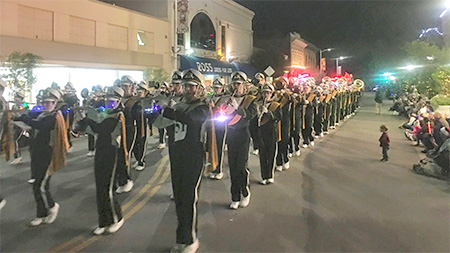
[[384, 142]]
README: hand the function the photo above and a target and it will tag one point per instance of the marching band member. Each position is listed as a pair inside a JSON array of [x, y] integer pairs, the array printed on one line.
[[281, 96], [96, 100], [308, 116], [318, 112], [164, 91], [133, 117], [47, 154], [18, 108], [269, 115], [186, 157], [217, 101], [242, 108], [296, 119], [140, 146], [111, 135]]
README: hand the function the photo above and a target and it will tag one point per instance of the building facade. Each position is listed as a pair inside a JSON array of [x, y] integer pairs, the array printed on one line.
[[213, 36], [302, 56], [84, 41]]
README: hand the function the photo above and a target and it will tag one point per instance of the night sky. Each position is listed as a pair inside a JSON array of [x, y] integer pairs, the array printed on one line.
[[372, 32]]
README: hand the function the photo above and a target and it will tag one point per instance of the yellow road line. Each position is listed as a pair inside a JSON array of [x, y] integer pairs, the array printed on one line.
[[148, 185], [147, 198], [81, 237], [132, 212]]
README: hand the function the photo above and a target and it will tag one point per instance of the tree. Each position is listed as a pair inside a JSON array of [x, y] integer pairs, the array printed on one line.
[[156, 74], [420, 51], [20, 70], [442, 77]]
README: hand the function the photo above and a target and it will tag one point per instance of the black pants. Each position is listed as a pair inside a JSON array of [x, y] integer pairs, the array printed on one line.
[[186, 166], [123, 171], [282, 154], [267, 151], [105, 172], [307, 131], [140, 149], [294, 141], [41, 187], [220, 140], [318, 116], [326, 117], [332, 121], [91, 142], [238, 141], [18, 133], [385, 153], [162, 132]]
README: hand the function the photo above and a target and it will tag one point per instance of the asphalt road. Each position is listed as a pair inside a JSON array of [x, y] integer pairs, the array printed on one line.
[[337, 196]]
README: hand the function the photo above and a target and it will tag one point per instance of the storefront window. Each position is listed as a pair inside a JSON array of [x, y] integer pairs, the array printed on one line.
[[203, 34]]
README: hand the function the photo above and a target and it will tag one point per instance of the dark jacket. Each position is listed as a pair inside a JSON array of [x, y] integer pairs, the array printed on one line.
[[384, 140]]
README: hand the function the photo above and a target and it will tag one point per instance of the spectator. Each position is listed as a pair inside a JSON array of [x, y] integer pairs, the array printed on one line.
[[378, 101]]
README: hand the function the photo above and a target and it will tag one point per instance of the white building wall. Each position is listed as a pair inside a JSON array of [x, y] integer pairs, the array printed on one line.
[[85, 23], [238, 22]]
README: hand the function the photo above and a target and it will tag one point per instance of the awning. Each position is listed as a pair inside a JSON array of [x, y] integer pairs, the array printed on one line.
[[246, 68], [206, 66]]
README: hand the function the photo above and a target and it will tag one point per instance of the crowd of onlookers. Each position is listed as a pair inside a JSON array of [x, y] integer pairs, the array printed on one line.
[[426, 127]]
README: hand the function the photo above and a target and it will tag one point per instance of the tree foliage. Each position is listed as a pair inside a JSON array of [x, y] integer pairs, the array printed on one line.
[[156, 75], [20, 69]]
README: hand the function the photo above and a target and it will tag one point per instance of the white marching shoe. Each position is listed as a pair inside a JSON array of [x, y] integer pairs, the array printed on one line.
[[53, 212], [16, 161], [245, 201], [271, 180], [114, 227], [162, 146], [286, 166], [90, 153], [297, 153], [31, 180], [279, 168], [321, 135], [140, 167], [235, 205], [312, 144], [219, 176], [304, 146], [37, 221], [99, 231], [255, 152], [128, 186], [186, 248], [290, 155], [264, 182]]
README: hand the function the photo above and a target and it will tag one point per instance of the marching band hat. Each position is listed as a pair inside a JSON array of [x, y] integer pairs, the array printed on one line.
[[268, 87], [50, 94], [114, 92], [259, 76], [19, 94], [218, 82], [238, 77], [142, 85], [192, 76], [177, 76], [127, 80]]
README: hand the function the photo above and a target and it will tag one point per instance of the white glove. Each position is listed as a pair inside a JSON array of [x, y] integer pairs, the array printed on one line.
[[172, 103], [306, 102], [234, 103], [229, 110], [264, 110]]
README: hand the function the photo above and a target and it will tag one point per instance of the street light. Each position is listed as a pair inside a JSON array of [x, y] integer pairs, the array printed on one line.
[[337, 63], [320, 56]]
